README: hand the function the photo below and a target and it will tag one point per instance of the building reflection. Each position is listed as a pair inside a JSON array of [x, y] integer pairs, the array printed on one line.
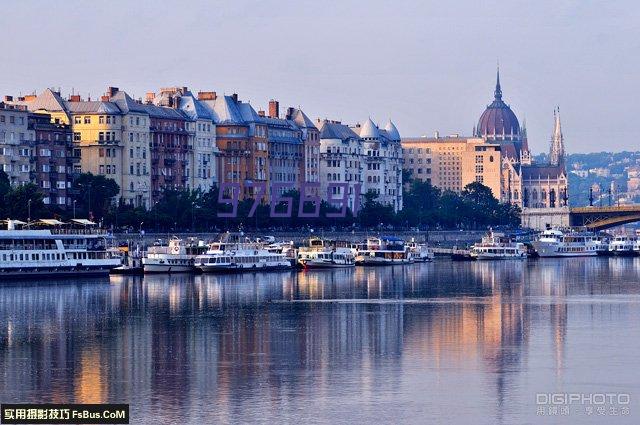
[[164, 343]]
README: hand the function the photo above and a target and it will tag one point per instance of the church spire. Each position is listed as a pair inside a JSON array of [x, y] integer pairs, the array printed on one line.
[[556, 153], [498, 92]]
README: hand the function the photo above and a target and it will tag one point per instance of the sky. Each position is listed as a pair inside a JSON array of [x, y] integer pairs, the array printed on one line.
[[427, 65]]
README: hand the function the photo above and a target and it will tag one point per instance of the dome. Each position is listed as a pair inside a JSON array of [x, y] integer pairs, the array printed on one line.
[[498, 122], [369, 130], [392, 131]]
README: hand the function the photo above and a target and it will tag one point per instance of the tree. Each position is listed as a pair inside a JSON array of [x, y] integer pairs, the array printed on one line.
[[373, 212], [24, 202], [94, 194]]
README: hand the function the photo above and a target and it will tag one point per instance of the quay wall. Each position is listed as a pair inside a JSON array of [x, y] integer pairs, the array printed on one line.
[[445, 238]]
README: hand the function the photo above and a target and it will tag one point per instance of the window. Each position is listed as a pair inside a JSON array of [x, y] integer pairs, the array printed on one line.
[[101, 168], [77, 137], [77, 120], [87, 120]]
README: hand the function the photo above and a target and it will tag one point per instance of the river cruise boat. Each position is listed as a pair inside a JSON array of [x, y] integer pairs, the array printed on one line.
[[555, 243], [383, 251], [75, 248], [498, 246], [623, 246], [244, 257], [420, 253], [177, 257], [322, 255]]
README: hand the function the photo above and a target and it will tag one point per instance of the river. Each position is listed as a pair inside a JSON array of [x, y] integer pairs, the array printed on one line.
[[476, 342]]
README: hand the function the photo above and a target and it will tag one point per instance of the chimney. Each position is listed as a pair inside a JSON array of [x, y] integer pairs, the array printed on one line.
[[436, 135], [261, 113], [149, 97], [274, 109], [111, 91], [8, 98], [234, 97], [104, 98], [290, 113], [184, 89], [207, 95], [74, 98]]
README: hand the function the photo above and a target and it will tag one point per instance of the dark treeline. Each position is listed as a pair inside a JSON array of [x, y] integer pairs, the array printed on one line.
[[425, 207]]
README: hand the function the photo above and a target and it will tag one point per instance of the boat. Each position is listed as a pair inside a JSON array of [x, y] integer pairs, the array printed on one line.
[[420, 253], [176, 257], [383, 251], [61, 249], [322, 255], [239, 258], [498, 246], [623, 246], [131, 263], [603, 248], [555, 243]]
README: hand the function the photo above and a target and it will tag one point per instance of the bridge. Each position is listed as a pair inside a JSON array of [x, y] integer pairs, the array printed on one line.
[[601, 218]]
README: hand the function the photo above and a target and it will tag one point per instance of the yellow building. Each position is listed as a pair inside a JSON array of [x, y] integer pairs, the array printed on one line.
[[451, 163]]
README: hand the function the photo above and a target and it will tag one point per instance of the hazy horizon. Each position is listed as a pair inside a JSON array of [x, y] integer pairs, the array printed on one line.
[[426, 65]]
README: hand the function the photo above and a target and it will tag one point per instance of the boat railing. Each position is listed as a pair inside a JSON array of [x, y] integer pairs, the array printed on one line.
[[84, 231]]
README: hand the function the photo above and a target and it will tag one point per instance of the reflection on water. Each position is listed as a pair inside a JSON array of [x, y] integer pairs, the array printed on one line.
[[468, 341]]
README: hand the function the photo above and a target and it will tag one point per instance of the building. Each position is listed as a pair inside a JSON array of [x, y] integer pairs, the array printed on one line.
[[52, 156], [360, 159], [136, 161], [541, 190], [341, 163], [16, 142], [241, 140], [382, 149], [451, 163], [310, 172], [170, 131], [203, 142], [285, 150]]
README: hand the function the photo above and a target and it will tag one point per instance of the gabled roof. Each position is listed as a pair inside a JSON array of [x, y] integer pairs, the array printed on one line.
[[224, 110], [92, 107], [301, 119], [164, 112], [542, 172], [49, 101], [194, 108], [126, 103], [331, 130]]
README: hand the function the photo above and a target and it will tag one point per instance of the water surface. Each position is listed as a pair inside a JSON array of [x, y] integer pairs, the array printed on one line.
[[444, 342]]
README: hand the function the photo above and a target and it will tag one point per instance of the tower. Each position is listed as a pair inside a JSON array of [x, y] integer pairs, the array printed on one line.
[[556, 153]]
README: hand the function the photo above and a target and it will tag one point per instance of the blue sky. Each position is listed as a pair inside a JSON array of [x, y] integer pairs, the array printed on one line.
[[428, 65]]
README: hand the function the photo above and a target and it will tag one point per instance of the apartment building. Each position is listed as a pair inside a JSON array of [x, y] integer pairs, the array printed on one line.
[[453, 162]]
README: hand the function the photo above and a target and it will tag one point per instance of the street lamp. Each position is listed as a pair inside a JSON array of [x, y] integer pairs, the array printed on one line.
[[74, 209], [29, 211]]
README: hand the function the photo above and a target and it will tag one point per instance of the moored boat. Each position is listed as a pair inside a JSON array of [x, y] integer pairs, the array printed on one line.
[[555, 243], [322, 255], [623, 246], [240, 259], [60, 249], [176, 257], [383, 251], [498, 246]]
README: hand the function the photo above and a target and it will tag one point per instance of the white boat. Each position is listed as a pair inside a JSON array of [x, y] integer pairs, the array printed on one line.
[[420, 253], [321, 255], [497, 246], [177, 257], [383, 251], [60, 250], [241, 258], [554, 243], [623, 246]]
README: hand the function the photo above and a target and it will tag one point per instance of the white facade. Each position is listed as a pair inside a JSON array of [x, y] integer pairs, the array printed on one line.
[[364, 157]]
